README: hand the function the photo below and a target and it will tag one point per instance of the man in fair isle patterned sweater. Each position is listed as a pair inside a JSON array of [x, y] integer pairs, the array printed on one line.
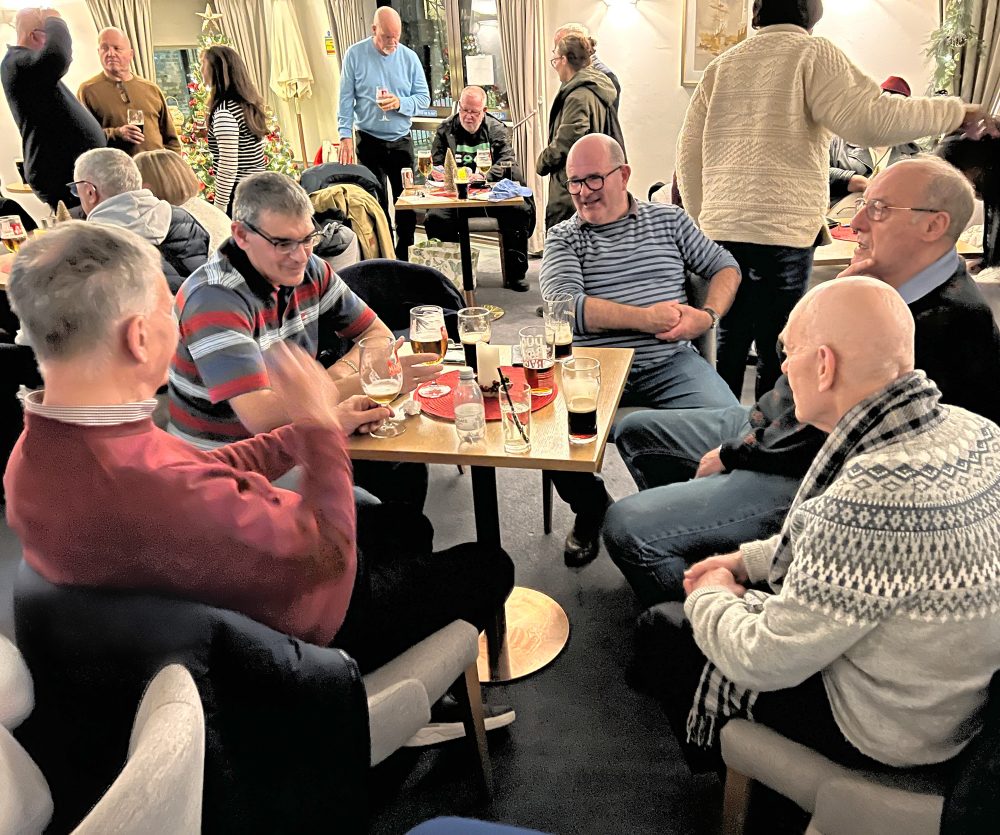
[[883, 629]]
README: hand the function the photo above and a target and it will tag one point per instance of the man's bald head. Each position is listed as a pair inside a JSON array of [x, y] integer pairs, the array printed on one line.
[[387, 29], [29, 25], [597, 173], [844, 341], [595, 149]]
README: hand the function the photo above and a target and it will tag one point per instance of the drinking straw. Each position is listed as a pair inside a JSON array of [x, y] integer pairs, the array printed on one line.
[[517, 420]]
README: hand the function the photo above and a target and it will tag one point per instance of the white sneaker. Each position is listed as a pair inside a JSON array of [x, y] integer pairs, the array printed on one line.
[[444, 726]]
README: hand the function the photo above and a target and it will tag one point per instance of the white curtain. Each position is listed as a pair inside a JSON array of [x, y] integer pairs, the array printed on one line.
[[978, 73], [522, 60], [243, 23], [134, 18], [347, 22]]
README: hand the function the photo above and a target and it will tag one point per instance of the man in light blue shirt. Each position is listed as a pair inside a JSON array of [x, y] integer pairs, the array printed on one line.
[[382, 86]]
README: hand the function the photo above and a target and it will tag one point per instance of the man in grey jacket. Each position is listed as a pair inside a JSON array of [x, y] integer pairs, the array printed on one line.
[[110, 189]]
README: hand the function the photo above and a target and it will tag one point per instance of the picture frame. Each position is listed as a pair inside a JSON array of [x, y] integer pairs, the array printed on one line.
[[710, 28]]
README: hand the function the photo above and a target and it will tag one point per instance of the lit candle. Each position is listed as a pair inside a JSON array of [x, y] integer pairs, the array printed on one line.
[[488, 360]]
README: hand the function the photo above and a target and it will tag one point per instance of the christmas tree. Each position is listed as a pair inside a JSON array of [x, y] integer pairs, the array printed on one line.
[[194, 132]]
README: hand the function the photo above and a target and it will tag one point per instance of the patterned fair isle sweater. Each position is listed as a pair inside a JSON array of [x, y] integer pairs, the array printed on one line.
[[893, 589]]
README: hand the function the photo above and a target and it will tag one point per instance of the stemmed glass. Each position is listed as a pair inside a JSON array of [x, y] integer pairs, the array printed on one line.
[[475, 325], [484, 162], [428, 335], [381, 378], [381, 92]]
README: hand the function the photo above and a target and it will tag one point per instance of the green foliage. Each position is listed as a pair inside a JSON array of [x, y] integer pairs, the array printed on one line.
[[949, 40], [194, 133]]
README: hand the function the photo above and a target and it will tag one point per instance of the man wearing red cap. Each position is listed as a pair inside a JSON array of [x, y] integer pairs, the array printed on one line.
[[852, 166]]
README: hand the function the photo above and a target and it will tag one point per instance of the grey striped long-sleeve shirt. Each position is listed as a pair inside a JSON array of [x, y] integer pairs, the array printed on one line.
[[638, 260], [236, 152]]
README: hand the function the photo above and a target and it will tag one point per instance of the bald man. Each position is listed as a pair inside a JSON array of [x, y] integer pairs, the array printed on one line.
[[382, 86], [865, 647], [113, 92], [55, 129], [710, 479]]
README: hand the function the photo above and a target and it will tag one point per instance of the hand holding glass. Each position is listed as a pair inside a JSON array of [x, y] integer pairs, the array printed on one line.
[[428, 335], [475, 325], [381, 378], [380, 94], [135, 117]]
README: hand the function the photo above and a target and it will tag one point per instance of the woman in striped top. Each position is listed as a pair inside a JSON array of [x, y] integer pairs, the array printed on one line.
[[237, 122]]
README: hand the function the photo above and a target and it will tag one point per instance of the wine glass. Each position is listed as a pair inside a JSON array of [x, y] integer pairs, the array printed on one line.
[[424, 164], [428, 335], [380, 93], [12, 232], [136, 117], [484, 162], [381, 378], [475, 325]]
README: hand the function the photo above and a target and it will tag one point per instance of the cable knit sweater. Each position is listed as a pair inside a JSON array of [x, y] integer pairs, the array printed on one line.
[[893, 585], [753, 153]]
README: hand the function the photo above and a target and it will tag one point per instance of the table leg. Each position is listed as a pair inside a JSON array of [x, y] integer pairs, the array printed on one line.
[[466, 247]]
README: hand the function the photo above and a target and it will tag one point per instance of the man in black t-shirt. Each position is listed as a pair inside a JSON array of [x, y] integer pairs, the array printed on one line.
[[468, 132]]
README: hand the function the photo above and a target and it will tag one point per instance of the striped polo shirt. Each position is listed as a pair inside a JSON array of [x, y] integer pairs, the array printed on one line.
[[637, 260], [229, 315]]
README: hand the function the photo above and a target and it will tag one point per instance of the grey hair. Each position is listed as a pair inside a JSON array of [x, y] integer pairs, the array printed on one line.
[[72, 286], [110, 170], [271, 192], [947, 190]]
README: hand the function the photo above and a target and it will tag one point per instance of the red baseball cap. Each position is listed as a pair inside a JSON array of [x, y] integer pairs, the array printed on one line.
[[895, 84]]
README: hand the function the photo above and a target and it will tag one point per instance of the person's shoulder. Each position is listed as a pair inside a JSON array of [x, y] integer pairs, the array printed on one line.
[[216, 283], [566, 233], [146, 84], [93, 81]]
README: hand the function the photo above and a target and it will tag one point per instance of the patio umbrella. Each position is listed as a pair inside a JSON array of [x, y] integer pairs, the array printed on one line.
[[291, 77]]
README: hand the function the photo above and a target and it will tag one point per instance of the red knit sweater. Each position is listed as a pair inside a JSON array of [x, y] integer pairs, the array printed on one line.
[[129, 506]]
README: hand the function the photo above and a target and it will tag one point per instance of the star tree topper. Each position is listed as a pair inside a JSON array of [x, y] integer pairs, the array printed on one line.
[[210, 19]]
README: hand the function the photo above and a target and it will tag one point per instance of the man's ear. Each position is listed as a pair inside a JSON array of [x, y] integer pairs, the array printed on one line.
[[240, 234], [626, 173], [935, 225], [826, 368], [136, 336]]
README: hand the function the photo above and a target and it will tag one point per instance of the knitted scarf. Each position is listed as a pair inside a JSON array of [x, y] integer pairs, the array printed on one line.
[[906, 406]]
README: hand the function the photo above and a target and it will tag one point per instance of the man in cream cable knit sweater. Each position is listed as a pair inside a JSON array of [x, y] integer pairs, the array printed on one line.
[[884, 625], [753, 162]]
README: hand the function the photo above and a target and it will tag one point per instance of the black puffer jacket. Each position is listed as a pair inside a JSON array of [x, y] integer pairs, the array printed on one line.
[[184, 249]]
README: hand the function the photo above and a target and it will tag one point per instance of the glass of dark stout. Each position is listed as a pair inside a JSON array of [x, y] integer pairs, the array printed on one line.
[[560, 314], [475, 325], [581, 385]]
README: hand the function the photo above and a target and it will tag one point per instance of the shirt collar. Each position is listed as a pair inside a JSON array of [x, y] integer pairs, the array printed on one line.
[[110, 414], [633, 212], [930, 278], [261, 287]]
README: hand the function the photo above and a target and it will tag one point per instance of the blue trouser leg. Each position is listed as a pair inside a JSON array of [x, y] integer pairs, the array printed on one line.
[[654, 535]]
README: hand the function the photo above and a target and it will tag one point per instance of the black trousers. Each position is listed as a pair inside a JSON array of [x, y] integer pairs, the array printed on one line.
[[386, 159], [515, 222], [405, 592]]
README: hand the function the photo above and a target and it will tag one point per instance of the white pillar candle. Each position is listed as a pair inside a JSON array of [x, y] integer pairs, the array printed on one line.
[[488, 360]]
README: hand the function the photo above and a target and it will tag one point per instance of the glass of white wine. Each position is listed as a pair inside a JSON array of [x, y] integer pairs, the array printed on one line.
[[381, 92], [484, 162], [381, 376], [424, 164]]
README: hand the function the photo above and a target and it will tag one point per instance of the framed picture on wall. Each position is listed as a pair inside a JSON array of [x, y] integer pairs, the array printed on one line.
[[710, 28]]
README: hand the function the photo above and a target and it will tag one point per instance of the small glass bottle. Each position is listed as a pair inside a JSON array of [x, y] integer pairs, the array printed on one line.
[[470, 413]]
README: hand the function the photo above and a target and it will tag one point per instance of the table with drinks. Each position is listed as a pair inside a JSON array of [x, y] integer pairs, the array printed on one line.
[[543, 414]]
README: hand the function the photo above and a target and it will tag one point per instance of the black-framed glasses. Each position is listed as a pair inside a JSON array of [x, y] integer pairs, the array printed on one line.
[[123, 92], [594, 182], [74, 186], [876, 209], [286, 246]]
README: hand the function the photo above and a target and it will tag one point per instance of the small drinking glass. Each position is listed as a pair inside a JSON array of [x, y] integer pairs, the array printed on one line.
[[428, 335], [380, 93], [381, 378], [538, 358], [12, 232], [560, 315], [581, 386], [515, 417], [475, 325], [136, 117]]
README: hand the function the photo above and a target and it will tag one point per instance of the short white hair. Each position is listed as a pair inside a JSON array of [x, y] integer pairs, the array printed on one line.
[[110, 170]]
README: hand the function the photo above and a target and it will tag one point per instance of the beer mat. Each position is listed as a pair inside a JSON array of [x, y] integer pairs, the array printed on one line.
[[844, 233], [495, 311], [444, 407]]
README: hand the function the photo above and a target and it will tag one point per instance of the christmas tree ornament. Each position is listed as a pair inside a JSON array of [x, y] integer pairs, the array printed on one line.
[[450, 169]]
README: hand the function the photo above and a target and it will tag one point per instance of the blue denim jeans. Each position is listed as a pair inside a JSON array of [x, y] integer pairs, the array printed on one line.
[[685, 381], [774, 279], [654, 535]]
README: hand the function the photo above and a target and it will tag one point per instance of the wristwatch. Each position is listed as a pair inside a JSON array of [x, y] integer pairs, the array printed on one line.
[[715, 316]]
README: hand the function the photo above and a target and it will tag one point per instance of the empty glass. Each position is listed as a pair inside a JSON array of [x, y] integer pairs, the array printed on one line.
[[515, 417]]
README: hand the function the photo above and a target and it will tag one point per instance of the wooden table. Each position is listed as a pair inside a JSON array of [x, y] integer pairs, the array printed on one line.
[[839, 253], [410, 201], [433, 440]]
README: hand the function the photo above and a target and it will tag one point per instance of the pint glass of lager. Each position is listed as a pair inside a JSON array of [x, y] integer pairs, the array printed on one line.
[[581, 385]]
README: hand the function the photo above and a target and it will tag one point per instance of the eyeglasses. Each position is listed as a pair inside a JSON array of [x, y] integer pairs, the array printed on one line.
[[123, 93], [555, 60], [466, 112], [286, 246], [876, 209], [73, 187], [594, 182]]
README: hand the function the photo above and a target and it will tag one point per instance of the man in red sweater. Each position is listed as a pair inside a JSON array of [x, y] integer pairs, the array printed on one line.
[[101, 497]]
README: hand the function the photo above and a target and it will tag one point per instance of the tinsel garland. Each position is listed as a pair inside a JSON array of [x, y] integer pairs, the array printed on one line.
[[946, 43]]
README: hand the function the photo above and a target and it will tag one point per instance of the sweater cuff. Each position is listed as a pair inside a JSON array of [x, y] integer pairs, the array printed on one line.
[[697, 594], [758, 556]]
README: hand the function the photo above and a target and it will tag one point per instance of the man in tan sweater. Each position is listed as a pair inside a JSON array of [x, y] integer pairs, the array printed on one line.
[[753, 162], [115, 91]]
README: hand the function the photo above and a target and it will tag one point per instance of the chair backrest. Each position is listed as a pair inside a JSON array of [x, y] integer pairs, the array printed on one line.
[[696, 288], [17, 695], [160, 788], [331, 173], [286, 736]]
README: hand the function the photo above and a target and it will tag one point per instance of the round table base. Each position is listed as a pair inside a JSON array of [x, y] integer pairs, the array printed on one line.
[[537, 631]]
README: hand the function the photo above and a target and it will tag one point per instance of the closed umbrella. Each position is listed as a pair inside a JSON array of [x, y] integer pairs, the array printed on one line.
[[291, 77]]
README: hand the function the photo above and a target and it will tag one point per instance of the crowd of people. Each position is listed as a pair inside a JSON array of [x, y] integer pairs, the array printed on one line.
[[815, 538]]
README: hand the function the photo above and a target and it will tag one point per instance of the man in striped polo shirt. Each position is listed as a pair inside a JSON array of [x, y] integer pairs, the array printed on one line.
[[625, 263], [263, 286]]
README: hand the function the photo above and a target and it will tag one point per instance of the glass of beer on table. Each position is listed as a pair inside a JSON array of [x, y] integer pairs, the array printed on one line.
[[538, 358], [581, 384], [424, 164], [381, 378], [475, 325], [560, 314], [12, 232], [428, 335]]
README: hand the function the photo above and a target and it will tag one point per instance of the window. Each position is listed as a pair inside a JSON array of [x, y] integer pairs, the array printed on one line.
[[174, 66], [440, 31]]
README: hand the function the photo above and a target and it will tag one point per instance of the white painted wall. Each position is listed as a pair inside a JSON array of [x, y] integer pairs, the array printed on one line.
[[642, 44]]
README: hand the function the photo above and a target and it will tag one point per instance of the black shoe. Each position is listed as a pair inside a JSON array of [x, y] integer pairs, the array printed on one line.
[[539, 311], [446, 722], [518, 285], [584, 541]]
